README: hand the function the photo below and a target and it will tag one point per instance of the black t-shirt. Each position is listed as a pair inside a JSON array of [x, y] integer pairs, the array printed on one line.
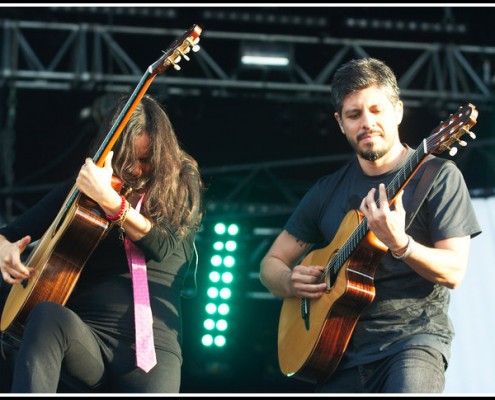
[[103, 294], [407, 309]]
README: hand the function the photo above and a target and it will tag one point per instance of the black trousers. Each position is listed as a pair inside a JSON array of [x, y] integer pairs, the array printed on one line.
[[59, 352]]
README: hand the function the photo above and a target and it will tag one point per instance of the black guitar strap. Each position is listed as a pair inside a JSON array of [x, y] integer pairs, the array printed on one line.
[[428, 177]]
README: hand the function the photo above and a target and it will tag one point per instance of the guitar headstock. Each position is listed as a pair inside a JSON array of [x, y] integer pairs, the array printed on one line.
[[448, 133], [177, 51]]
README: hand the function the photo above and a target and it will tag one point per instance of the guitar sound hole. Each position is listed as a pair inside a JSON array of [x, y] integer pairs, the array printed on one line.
[[331, 278]]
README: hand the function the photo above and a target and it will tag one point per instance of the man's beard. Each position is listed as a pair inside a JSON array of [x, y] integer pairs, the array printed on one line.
[[372, 155]]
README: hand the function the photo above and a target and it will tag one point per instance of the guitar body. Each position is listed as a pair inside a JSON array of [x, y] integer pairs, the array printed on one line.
[[311, 350], [57, 259]]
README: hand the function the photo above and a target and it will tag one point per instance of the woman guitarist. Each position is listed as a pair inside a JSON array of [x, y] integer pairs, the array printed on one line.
[[91, 339]]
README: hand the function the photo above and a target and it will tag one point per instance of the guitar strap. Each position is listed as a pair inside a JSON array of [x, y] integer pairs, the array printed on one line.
[[426, 181]]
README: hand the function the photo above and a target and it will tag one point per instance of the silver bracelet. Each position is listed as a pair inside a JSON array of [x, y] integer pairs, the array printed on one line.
[[409, 249]]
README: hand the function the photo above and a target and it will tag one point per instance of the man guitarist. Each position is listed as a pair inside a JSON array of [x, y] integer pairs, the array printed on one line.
[[401, 341]]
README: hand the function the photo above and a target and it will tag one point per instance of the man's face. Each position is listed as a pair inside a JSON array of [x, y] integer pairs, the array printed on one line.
[[370, 122]]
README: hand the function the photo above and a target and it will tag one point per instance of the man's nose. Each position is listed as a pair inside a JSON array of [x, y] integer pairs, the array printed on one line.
[[368, 120]]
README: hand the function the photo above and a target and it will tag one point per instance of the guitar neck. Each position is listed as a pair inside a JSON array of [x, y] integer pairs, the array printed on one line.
[[171, 57], [117, 128], [406, 172], [122, 119]]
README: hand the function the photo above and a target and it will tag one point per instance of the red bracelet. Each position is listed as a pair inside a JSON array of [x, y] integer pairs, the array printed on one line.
[[122, 208]]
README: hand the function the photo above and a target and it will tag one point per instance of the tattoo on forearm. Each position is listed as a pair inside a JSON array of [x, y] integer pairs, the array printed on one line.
[[302, 243]]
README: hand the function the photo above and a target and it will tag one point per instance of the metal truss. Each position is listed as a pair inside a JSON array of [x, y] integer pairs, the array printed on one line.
[[60, 56], [93, 57]]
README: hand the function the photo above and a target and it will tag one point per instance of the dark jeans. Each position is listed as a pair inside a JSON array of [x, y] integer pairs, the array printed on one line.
[[56, 342], [414, 370]]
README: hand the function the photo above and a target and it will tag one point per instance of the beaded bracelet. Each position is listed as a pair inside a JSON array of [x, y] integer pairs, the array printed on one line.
[[123, 205], [121, 220]]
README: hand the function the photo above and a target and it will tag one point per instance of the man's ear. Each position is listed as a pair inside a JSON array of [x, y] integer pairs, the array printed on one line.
[[339, 121], [399, 112]]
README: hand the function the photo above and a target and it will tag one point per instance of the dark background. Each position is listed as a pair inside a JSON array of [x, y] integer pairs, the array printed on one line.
[[238, 136]]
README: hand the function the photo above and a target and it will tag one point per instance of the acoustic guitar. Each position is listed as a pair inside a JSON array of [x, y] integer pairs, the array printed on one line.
[[60, 255], [313, 334]]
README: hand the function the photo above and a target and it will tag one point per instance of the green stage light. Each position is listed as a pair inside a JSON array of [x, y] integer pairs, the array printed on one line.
[[233, 229], [231, 245], [227, 277], [207, 340], [209, 324], [229, 261], [212, 292], [221, 325], [220, 340], [214, 276], [211, 308], [222, 274], [218, 246], [216, 260], [220, 228], [223, 309]]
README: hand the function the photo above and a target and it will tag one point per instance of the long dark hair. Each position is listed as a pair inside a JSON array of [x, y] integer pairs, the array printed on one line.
[[173, 187]]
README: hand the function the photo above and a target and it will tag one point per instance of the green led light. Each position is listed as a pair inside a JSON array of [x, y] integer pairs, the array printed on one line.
[[212, 293], [229, 261], [221, 325], [233, 229], [207, 340], [209, 324], [227, 277], [214, 276], [218, 246], [211, 308], [220, 228], [220, 340], [216, 260], [225, 293], [231, 245], [223, 309]]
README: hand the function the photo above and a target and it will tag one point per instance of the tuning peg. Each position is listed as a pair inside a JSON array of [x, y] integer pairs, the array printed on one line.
[[176, 66], [462, 143], [471, 134], [193, 42], [183, 54], [453, 151], [195, 46]]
